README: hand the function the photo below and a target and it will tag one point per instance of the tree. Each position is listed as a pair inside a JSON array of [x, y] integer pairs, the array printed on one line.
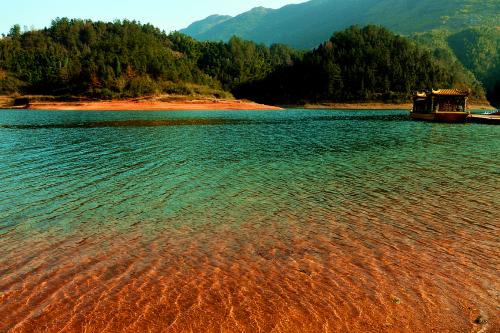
[[15, 31]]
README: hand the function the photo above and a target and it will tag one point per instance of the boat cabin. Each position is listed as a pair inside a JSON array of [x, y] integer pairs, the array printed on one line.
[[444, 105], [442, 100]]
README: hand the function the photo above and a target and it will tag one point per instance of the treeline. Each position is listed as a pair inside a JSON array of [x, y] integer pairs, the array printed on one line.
[[479, 50], [360, 64], [98, 59], [476, 50], [129, 59]]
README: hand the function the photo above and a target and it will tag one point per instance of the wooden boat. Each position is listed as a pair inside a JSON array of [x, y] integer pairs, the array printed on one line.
[[443, 105]]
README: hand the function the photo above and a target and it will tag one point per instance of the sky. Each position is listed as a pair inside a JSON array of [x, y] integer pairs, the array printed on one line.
[[168, 15]]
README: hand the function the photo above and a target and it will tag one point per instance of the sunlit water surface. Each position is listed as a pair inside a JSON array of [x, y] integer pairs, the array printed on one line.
[[247, 221]]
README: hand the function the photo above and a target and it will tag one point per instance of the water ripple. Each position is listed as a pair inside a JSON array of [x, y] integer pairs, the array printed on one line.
[[283, 221]]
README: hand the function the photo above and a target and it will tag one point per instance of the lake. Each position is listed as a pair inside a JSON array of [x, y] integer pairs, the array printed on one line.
[[247, 221]]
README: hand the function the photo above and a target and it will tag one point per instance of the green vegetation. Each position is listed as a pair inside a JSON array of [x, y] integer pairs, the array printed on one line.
[[128, 59], [97, 59], [463, 33], [308, 24], [9, 84], [479, 50], [360, 64], [474, 51], [206, 24]]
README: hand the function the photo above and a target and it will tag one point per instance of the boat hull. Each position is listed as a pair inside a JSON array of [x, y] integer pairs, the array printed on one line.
[[444, 117]]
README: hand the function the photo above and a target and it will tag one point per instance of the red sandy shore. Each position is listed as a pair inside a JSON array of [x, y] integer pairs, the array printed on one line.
[[213, 105], [151, 105]]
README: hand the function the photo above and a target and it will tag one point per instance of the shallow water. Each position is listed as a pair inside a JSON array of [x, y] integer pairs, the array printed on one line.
[[247, 221]]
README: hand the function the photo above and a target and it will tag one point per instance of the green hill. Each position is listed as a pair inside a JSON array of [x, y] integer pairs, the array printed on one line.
[[308, 24], [127, 59], [201, 27], [463, 33], [475, 49], [361, 64], [240, 25]]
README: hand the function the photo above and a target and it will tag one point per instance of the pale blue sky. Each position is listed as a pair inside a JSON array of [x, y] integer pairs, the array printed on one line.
[[166, 14]]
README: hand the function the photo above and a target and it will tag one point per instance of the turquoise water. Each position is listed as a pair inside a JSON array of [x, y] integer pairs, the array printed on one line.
[[294, 220]]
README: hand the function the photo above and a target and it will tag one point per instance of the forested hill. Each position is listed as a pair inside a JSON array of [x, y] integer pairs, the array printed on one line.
[[308, 24], [359, 64], [128, 59], [467, 31], [477, 49]]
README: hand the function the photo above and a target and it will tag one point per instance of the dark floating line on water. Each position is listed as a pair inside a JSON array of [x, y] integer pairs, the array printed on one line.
[[194, 122], [363, 118], [126, 123]]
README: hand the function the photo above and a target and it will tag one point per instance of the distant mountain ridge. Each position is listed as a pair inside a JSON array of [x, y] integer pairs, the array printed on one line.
[[203, 26], [227, 26], [308, 24]]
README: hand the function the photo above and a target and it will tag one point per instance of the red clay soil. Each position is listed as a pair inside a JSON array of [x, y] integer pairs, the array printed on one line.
[[152, 105]]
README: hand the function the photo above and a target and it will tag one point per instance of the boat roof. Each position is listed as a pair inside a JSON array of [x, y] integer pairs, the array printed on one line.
[[443, 92], [450, 92]]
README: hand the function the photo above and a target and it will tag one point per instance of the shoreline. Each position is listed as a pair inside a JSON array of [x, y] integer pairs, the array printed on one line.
[[7, 102], [143, 105], [377, 106]]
